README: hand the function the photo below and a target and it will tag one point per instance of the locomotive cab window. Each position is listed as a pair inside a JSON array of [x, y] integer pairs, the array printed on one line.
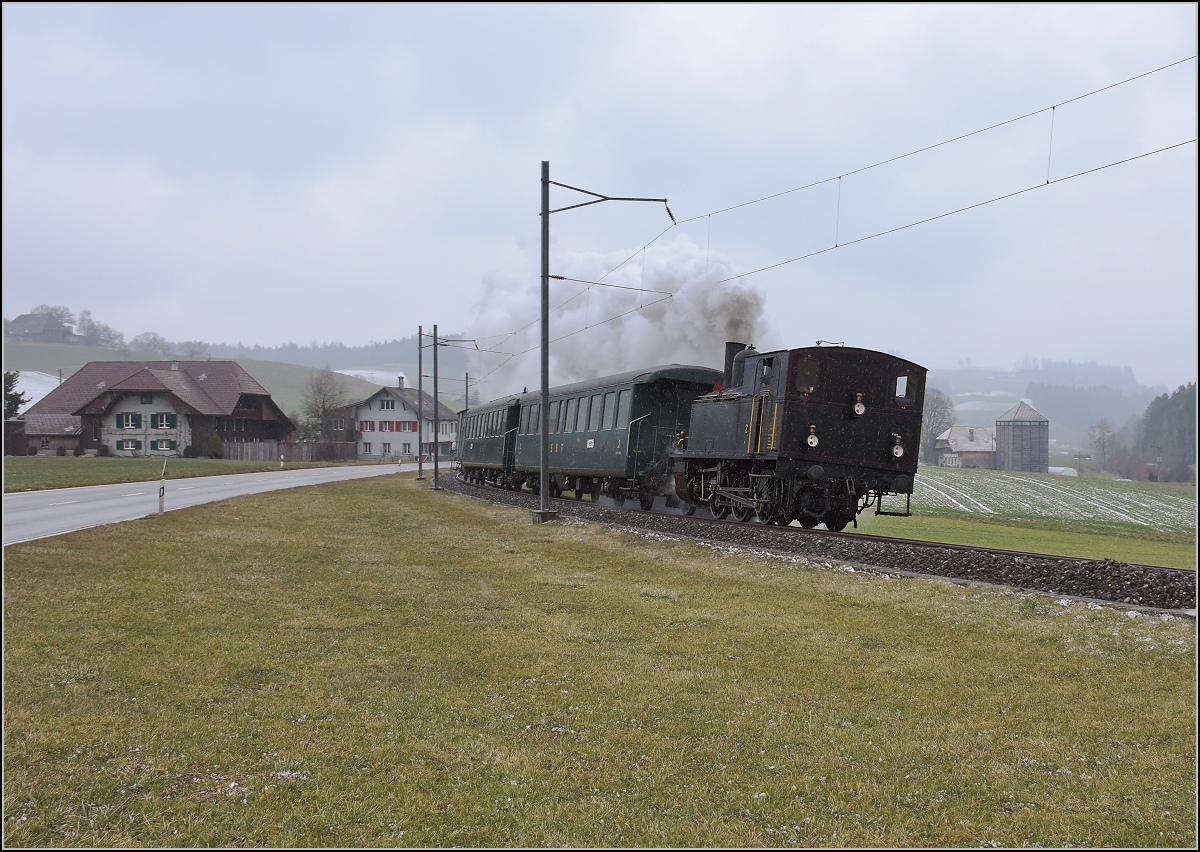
[[902, 391], [766, 374], [807, 372]]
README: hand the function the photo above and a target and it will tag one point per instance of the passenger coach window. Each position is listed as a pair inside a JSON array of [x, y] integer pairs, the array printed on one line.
[[807, 372], [570, 427], [524, 420], [553, 427], [610, 409], [623, 408], [535, 419], [594, 419]]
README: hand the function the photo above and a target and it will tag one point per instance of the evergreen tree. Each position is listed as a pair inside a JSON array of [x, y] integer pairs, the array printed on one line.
[[13, 399]]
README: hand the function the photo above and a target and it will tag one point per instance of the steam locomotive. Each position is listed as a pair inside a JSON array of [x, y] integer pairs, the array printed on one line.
[[814, 435]]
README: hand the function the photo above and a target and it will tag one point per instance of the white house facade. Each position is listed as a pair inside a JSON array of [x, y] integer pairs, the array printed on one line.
[[386, 428]]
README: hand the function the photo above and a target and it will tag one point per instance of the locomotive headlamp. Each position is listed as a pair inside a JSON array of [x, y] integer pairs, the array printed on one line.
[[812, 437], [859, 408], [897, 448]]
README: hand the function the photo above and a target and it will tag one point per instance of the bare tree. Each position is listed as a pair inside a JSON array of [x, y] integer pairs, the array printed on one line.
[[1101, 436], [937, 416], [60, 312], [149, 341], [193, 348], [324, 393], [98, 333]]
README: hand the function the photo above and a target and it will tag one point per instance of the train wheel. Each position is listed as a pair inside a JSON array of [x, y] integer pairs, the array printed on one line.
[[579, 489], [835, 526], [741, 514], [646, 499], [808, 522], [594, 491], [555, 488], [691, 509], [719, 510]]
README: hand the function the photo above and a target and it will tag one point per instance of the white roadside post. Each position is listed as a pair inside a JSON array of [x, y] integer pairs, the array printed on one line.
[[281, 461], [162, 487]]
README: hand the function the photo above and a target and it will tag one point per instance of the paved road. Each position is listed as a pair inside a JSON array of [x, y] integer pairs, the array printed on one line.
[[38, 514]]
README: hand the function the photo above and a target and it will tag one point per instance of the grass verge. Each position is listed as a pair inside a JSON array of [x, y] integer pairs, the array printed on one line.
[[1147, 547], [376, 664], [34, 473]]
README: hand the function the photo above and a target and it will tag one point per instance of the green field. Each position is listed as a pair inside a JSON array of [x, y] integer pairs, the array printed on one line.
[[376, 664], [1099, 518], [1051, 537]]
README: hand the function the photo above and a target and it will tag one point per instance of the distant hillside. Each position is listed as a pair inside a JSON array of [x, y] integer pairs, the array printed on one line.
[[1073, 396]]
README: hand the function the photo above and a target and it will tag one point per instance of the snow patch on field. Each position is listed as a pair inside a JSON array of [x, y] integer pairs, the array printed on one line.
[[1035, 496]]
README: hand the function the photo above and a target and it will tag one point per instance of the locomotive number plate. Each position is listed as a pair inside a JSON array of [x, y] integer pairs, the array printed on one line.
[[591, 442]]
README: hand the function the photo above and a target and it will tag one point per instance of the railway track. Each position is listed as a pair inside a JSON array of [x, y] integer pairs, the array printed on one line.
[[1106, 581]]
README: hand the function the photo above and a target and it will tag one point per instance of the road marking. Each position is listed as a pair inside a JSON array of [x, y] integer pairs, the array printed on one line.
[[64, 503], [134, 494]]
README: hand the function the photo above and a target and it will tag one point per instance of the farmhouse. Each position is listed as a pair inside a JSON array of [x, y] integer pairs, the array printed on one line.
[[157, 408], [38, 328], [967, 446], [385, 424]]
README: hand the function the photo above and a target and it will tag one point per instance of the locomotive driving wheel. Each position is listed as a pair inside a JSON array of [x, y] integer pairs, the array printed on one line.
[[741, 514], [646, 499], [718, 507]]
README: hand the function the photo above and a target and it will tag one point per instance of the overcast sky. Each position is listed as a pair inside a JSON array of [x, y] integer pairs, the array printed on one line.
[[275, 173]]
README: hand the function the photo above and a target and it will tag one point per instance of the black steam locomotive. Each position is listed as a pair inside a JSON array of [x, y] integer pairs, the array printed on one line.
[[815, 435]]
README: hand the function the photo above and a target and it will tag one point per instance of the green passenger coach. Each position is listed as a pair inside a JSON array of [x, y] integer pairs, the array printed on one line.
[[610, 436]]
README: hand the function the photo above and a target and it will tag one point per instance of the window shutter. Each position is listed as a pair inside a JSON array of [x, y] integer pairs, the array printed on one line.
[[173, 444], [118, 421], [137, 422], [171, 425], [153, 421], [137, 445]]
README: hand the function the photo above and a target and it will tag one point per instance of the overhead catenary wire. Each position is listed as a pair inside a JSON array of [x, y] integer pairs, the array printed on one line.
[[952, 212], [837, 244]]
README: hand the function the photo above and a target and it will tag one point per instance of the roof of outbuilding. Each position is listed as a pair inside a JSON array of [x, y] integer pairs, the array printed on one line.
[[970, 439], [210, 387], [52, 424], [1022, 412]]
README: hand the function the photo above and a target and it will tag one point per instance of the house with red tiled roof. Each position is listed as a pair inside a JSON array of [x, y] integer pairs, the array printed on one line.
[[161, 408]]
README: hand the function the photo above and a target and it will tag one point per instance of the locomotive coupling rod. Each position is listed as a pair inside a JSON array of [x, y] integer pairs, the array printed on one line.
[[737, 499]]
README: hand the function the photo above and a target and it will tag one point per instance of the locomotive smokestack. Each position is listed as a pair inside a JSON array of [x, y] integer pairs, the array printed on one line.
[[731, 349]]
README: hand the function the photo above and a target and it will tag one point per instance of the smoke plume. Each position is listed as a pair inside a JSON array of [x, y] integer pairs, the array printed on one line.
[[597, 330]]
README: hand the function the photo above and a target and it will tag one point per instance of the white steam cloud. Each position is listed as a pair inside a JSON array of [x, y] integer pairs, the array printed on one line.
[[605, 330]]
